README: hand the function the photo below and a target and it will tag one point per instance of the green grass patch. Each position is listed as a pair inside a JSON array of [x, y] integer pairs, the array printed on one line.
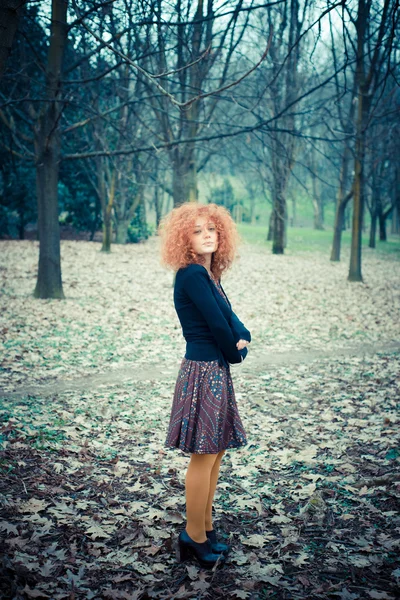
[[306, 239]]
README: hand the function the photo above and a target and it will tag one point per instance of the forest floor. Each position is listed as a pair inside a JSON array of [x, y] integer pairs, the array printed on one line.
[[91, 501]]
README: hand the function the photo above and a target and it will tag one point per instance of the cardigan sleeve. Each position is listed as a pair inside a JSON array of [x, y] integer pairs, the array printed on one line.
[[240, 332], [197, 287]]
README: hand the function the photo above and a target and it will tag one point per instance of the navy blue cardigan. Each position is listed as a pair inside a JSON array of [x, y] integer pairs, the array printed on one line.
[[209, 325]]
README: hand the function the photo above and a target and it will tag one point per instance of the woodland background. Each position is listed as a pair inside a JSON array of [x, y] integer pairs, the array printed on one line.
[[112, 113]]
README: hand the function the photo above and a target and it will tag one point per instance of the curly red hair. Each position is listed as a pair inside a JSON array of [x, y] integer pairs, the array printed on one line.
[[177, 226]]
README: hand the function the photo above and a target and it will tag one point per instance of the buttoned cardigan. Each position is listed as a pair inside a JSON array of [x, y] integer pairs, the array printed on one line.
[[209, 325]]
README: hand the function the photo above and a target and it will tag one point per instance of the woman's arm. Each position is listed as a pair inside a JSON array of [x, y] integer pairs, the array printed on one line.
[[197, 286], [239, 330]]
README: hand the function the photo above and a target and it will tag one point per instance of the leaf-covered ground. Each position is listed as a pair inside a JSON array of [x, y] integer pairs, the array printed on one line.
[[118, 310], [92, 502]]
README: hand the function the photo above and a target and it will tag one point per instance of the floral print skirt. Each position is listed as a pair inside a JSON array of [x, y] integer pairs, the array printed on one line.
[[204, 416]]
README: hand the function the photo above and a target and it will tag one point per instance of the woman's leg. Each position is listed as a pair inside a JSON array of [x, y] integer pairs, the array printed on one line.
[[197, 486], [213, 485]]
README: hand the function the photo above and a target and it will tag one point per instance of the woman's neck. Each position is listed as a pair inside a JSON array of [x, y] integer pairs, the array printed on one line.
[[207, 265], [212, 275]]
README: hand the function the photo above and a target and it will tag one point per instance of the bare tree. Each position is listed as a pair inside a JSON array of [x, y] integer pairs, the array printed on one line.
[[368, 78], [345, 106], [207, 52], [47, 156]]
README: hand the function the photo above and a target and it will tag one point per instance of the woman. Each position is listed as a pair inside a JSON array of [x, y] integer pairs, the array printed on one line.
[[199, 243]]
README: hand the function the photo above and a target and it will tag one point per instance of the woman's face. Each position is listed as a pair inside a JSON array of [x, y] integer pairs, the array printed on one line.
[[204, 237]]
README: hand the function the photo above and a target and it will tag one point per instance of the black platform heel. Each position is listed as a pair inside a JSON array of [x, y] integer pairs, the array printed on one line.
[[217, 547], [201, 551]]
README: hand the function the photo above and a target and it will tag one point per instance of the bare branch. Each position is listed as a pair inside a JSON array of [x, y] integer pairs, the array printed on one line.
[[213, 16], [13, 129], [91, 10], [28, 157], [96, 77], [207, 50], [153, 78]]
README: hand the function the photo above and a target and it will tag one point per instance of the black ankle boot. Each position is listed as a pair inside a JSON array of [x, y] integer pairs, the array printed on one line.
[[202, 551], [216, 546]]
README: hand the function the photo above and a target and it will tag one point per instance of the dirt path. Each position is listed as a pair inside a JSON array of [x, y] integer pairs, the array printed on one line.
[[260, 363]]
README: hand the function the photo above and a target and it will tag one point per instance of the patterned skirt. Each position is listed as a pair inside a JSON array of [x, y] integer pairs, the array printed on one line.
[[204, 415]]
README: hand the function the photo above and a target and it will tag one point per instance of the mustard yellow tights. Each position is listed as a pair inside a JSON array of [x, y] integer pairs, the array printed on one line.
[[200, 484]]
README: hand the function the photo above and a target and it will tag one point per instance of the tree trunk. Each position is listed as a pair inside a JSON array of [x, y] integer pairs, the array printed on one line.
[[316, 199], [347, 218], [47, 142], [93, 224], [270, 233], [282, 150], [279, 220], [341, 203], [294, 219], [21, 213], [192, 179], [382, 225], [107, 230], [362, 113], [238, 213], [372, 231], [184, 177], [318, 220], [252, 197], [49, 283], [373, 207], [358, 195], [143, 210], [121, 231], [107, 216], [337, 231], [285, 226], [157, 205], [281, 169], [157, 196]]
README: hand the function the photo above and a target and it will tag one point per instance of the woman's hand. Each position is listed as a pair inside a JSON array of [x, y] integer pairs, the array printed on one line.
[[241, 344]]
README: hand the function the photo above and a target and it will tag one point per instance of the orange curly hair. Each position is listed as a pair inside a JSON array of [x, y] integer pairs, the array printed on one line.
[[177, 226]]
